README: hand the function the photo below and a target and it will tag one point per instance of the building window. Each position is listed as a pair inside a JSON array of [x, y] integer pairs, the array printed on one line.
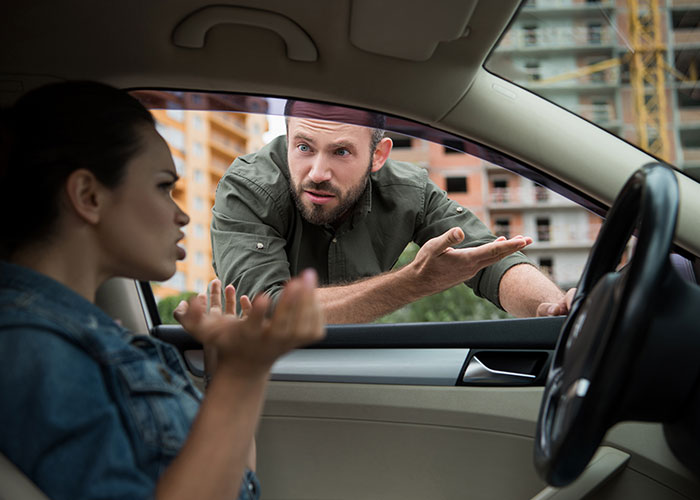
[[541, 193], [199, 286], [543, 229], [177, 282], [179, 165], [199, 258], [401, 141], [500, 190], [530, 34], [175, 138], [532, 68], [601, 111], [502, 227], [453, 146], [199, 231], [456, 184], [198, 176], [198, 203], [176, 114], [595, 33], [198, 149], [197, 122], [547, 266]]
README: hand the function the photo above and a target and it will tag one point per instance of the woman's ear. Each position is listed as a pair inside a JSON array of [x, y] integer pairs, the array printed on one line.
[[86, 195]]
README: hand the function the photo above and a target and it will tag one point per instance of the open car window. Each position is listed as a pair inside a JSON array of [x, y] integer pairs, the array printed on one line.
[[207, 132]]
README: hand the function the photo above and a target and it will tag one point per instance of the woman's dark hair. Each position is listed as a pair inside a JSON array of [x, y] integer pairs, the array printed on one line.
[[52, 131]]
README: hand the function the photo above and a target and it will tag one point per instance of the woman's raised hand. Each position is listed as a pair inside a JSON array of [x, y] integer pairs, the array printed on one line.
[[250, 345]]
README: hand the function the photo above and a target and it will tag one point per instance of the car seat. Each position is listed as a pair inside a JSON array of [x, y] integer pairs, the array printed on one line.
[[14, 485]]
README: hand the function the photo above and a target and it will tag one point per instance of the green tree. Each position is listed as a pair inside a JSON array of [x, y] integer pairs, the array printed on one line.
[[458, 303], [167, 305]]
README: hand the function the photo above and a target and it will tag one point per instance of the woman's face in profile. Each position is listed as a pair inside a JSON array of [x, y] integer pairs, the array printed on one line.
[[142, 224]]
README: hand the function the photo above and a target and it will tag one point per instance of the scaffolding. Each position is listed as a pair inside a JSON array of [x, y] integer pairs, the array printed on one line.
[[648, 72]]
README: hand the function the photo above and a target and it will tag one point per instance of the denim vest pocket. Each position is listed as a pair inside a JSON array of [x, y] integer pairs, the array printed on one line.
[[159, 410]]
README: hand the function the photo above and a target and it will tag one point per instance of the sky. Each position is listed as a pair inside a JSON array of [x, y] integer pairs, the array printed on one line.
[[276, 126]]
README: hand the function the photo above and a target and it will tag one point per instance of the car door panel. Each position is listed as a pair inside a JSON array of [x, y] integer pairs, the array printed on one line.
[[366, 413]]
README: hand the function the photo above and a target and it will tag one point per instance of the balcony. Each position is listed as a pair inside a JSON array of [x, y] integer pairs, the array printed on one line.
[[686, 37], [691, 156], [564, 37], [521, 198], [568, 6], [226, 146], [556, 237], [689, 117], [230, 123], [685, 3]]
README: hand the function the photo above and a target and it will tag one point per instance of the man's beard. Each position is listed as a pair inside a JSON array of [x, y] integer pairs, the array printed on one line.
[[319, 214]]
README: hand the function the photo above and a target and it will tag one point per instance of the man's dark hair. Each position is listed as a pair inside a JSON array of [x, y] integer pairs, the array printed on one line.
[[375, 121]]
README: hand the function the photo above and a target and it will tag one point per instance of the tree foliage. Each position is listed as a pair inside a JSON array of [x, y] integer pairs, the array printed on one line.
[[167, 305]]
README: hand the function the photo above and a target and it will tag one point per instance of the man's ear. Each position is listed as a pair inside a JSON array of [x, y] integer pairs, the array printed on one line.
[[381, 153], [85, 195]]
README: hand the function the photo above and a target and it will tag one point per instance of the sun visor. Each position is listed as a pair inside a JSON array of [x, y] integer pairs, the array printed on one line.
[[408, 30]]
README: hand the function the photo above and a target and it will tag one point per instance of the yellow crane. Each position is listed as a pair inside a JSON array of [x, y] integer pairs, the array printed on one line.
[[648, 68], [647, 77]]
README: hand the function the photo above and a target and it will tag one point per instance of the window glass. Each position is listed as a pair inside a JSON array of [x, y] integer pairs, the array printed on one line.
[[629, 67], [507, 203]]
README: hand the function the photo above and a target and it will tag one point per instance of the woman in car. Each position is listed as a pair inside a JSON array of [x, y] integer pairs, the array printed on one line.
[[89, 409]]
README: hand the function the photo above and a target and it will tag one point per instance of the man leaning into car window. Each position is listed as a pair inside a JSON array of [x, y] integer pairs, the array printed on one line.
[[327, 196]]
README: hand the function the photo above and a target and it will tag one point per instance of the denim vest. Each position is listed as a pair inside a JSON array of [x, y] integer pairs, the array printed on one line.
[[87, 409]]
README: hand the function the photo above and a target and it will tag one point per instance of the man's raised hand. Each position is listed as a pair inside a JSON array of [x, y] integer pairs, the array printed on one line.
[[438, 266]]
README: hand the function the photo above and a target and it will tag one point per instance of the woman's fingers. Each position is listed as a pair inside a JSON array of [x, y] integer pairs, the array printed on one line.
[[310, 320], [230, 297], [190, 314], [285, 311], [246, 306], [215, 296]]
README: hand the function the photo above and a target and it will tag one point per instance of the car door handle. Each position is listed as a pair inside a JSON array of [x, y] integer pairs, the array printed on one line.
[[478, 373]]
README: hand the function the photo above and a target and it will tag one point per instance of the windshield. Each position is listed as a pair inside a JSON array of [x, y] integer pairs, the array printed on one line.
[[629, 66]]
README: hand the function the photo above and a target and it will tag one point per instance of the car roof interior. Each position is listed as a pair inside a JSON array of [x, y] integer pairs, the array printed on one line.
[[360, 53]]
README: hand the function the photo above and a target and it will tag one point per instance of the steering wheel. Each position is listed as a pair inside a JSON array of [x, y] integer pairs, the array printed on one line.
[[587, 389]]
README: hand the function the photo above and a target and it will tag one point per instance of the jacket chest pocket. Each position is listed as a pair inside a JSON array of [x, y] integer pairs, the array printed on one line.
[[158, 409]]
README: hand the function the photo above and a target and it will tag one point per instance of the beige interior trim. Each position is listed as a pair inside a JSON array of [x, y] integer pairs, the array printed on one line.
[[606, 463], [329, 440], [14, 485], [416, 29], [128, 310]]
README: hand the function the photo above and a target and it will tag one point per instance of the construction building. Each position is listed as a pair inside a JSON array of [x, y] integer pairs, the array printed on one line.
[[203, 144]]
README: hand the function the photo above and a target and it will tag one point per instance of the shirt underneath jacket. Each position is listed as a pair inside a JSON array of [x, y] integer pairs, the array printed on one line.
[[87, 409], [260, 240]]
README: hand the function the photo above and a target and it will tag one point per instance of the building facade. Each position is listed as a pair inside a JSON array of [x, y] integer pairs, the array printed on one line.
[[203, 144]]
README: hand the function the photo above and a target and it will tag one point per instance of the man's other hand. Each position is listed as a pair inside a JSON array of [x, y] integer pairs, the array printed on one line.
[[557, 308]]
